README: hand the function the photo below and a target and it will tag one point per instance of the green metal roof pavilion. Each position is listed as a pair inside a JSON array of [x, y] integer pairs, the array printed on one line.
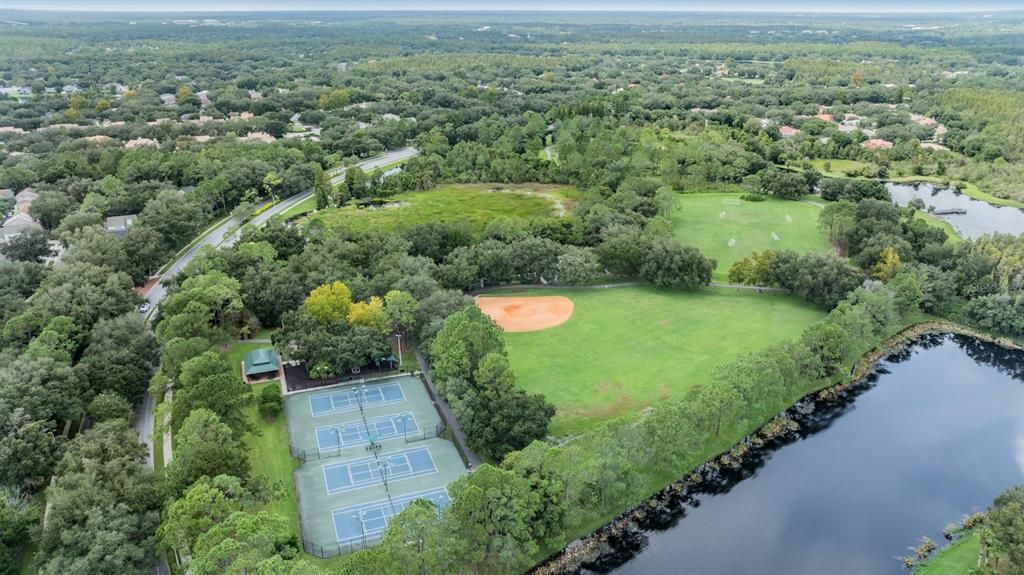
[[261, 361]]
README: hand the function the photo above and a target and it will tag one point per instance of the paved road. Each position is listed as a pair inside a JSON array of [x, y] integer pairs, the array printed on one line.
[[144, 412], [226, 233]]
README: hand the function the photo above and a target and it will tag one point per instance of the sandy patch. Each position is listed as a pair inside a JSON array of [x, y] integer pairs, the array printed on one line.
[[519, 314]]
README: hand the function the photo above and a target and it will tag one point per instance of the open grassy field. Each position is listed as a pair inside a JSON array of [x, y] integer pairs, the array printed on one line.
[[271, 458], [956, 559], [713, 221], [474, 203], [625, 348], [839, 168]]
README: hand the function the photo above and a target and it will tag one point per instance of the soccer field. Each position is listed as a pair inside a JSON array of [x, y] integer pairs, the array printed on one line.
[[624, 349], [727, 228]]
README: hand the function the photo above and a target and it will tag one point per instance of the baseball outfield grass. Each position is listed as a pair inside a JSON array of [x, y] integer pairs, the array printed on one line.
[[626, 348]]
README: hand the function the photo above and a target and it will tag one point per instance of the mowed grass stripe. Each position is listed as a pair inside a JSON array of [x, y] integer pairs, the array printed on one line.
[[626, 348], [698, 221]]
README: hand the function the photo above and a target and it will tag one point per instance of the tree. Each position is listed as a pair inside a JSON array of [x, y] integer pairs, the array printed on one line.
[[785, 185], [578, 266], [418, 540], [334, 99], [209, 381], [121, 357], [543, 468], [498, 416], [329, 303], [400, 309], [668, 263], [491, 516], [370, 314], [16, 522], [50, 208], [322, 188], [28, 450], [888, 266], [86, 293], [205, 446], [241, 543], [105, 496], [467, 336], [44, 388], [205, 504], [109, 405], [174, 216], [28, 246], [721, 401], [1006, 520]]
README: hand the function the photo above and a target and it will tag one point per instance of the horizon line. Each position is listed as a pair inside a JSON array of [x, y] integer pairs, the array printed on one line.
[[589, 10]]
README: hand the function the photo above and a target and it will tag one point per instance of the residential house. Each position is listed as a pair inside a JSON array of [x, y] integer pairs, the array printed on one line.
[[18, 224], [24, 199], [118, 225], [788, 131], [141, 143], [877, 144]]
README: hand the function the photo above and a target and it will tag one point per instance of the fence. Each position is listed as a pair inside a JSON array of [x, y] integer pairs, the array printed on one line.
[[334, 549], [306, 455]]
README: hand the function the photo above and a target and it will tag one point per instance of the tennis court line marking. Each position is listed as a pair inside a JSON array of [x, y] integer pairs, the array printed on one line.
[[403, 500], [362, 430], [376, 478], [351, 401]]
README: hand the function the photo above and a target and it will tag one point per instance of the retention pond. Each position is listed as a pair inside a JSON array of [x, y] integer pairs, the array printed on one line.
[[974, 218], [936, 434]]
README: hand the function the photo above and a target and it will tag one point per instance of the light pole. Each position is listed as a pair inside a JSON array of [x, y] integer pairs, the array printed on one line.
[[362, 530], [337, 438], [399, 336], [405, 427]]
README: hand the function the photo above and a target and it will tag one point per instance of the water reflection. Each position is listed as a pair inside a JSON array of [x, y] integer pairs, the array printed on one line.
[[981, 217], [938, 436]]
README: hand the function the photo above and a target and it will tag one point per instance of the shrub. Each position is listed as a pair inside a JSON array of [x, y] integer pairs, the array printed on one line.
[[270, 401]]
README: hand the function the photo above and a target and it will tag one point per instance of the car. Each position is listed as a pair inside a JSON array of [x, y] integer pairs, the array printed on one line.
[[145, 307]]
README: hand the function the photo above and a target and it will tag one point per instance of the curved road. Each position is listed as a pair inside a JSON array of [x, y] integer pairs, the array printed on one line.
[[226, 233]]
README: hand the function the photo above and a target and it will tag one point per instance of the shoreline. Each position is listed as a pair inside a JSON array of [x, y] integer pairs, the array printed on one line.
[[775, 432]]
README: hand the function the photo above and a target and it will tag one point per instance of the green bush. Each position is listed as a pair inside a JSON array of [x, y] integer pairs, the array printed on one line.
[[270, 401]]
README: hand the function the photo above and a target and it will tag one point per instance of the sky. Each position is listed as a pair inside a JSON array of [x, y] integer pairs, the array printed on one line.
[[860, 6]]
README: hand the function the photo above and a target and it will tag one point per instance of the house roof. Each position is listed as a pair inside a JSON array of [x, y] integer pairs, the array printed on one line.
[[18, 223], [7, 194], [26, 196], [876, 143], [788, 131], [260, 361], [120, 223]]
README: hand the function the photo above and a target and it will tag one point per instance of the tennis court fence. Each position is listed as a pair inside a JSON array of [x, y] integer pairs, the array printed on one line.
[[317, 454], [334, 549]]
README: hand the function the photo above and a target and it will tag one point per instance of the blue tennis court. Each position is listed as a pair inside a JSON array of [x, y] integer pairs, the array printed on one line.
[[350, 398], [394, 467], [371, 519], [355, 432]]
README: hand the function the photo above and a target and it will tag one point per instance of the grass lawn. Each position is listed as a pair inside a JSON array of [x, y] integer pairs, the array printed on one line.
[[698, 221], [236, 352], [839, 167], [936, 222], [956, 559], [270, 457], [475, 203], [626, 348]]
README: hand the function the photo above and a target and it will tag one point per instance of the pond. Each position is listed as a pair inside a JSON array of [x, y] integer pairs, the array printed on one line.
[[935, 435], [981, 217]]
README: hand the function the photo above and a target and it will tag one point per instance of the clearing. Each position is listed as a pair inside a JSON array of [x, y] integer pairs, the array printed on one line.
[[727, 228], [474, 203], [625, 348]]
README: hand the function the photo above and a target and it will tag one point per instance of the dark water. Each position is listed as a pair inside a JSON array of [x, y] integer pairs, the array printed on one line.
[[981, 217], [936, 435]]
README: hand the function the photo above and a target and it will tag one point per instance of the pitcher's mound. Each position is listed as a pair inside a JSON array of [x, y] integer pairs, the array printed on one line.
[[517, 314]]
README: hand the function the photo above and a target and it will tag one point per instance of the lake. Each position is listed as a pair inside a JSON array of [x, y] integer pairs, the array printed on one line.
[[935, 435], [981, 217]]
